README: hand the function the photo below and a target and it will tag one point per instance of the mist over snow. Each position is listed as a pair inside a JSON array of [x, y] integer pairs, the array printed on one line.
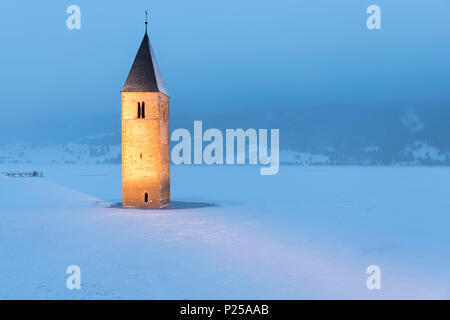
[[313, 136]]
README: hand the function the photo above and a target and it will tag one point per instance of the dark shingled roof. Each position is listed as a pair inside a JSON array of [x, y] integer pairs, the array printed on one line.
[[144, 75]]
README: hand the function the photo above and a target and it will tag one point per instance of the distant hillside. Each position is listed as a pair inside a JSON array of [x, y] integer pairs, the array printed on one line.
[[308, 136]]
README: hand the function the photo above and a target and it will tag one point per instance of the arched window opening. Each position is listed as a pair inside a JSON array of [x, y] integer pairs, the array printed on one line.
[[146, 197], [143, 109], [139, 110]]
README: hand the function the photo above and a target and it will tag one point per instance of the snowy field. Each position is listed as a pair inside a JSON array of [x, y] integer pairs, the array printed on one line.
[[308, 232]]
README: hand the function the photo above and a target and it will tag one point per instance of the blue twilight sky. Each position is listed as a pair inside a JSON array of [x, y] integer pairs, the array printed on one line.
[[216, 58]]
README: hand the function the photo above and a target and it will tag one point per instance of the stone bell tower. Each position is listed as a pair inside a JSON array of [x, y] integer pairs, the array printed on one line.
[[145, 133]]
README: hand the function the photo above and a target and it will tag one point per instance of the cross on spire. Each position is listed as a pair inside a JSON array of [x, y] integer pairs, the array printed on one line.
[[146, 21]]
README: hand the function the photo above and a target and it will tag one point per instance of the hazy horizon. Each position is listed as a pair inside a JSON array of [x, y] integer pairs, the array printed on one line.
[[228, 63]]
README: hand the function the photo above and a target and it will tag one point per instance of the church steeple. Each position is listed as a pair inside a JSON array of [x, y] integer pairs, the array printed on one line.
[[145, 133], [144, 75]]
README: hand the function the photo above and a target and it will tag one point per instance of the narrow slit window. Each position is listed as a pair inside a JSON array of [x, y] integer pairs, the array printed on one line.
[[146, 197], [139, 110], [143, 109]]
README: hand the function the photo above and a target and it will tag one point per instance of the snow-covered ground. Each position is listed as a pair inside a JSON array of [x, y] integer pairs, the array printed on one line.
[[307, 232]]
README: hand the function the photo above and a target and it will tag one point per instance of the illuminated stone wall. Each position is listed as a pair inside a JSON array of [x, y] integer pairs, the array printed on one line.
[[145, 150]]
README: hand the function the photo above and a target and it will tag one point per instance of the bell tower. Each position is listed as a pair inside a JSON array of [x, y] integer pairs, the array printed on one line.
[[145, 133]]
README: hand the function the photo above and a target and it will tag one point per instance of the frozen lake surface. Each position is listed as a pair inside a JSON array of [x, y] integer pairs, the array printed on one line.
[[307, 232]]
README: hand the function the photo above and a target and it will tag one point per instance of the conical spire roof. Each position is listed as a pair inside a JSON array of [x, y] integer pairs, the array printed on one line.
[[144, 75]]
